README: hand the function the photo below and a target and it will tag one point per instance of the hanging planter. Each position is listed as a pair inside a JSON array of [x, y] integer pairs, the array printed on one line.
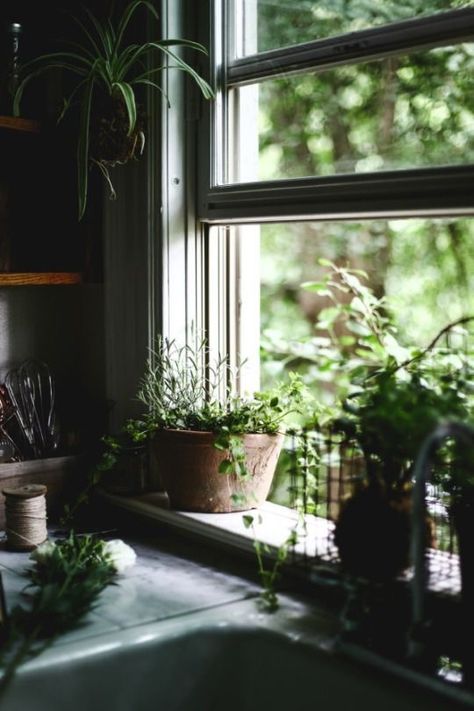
[[106, 74]]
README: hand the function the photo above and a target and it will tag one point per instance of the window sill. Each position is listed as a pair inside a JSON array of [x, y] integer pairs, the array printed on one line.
[[272, 525]]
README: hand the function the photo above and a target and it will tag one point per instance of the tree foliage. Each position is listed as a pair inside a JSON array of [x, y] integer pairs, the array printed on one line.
[[404, 111]]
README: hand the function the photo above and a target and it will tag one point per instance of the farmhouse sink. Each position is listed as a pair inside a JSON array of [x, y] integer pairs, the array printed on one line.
[[228, 658]]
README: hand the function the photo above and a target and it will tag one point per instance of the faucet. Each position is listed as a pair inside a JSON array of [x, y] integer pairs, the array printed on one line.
[[422, 470]]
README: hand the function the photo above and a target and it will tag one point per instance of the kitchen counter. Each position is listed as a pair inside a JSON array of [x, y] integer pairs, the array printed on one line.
[[181, 611]]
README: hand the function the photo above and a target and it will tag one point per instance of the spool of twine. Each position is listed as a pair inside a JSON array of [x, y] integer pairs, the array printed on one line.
[[25, 511]]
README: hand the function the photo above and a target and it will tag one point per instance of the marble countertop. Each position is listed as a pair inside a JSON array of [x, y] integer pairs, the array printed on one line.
[[171, 578]]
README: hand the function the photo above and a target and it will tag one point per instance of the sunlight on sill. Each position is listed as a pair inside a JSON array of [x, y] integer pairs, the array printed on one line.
[[273, 524]]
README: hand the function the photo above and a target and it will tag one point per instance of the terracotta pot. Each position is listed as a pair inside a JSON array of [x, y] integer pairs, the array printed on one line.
[[188, 464]]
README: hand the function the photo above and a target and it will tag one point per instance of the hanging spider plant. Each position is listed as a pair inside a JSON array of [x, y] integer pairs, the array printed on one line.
[[106, 73]]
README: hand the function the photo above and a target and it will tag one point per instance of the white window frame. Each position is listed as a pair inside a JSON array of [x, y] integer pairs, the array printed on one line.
[[429, 192], [207, 275]]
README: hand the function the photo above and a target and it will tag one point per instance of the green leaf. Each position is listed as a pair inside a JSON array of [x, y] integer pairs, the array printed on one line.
[[163, 47], [50, 65], [102, 32], [226, 466], [127, 16], [130, 104], [89, 36], [83, 147], [248, 520]]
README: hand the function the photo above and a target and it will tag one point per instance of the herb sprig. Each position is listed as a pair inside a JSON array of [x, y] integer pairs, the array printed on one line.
[[65, 582]]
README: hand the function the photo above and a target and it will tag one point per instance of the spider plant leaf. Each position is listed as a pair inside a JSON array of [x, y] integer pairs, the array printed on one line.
[[205, 88], [82, 49], [148, 73], [32, 74], [101, 32], [83, 147], [90, 37], [129, 98], [181, 64], [148, 82], [56, 57], [68, 101], [127, 16], [184, 43], [122, 60]]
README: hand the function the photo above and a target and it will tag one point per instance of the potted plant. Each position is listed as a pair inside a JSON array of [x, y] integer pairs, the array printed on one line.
[[389, 420], [216, 452], [106, 73]]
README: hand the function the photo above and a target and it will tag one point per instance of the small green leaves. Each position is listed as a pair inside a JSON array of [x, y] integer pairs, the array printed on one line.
[[226, 466], [248, 520]]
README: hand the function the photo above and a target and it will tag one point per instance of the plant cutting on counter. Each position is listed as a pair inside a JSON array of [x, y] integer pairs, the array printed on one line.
[[66, 579]]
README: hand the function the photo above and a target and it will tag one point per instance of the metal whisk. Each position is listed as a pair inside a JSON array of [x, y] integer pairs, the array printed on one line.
[[31, 390]]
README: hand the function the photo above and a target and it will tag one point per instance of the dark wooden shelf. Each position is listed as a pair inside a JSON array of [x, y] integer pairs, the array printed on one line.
[[39, 278], [13, 123]]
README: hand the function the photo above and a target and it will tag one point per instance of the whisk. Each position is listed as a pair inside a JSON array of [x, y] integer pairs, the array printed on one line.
[[31, 390], [7, 416]]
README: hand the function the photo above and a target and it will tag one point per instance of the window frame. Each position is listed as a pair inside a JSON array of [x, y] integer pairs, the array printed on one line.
[[433, 191]]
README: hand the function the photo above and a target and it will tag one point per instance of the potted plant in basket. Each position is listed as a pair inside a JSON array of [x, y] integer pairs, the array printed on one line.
[[389, 421], [106, 73], [393, 397], [216, 452]]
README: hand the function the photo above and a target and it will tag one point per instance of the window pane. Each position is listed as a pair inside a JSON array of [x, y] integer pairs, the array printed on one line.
[[424, 268], [406, 111], [281, 23]]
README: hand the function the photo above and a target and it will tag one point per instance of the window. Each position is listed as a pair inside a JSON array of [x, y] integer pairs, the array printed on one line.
[[332, 111], [393, 87]]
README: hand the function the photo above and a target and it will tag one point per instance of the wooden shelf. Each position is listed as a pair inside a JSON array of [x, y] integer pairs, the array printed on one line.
[[39, 278], [14, 123]]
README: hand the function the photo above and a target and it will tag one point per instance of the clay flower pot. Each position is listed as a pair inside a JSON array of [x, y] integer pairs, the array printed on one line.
[[189, 463]]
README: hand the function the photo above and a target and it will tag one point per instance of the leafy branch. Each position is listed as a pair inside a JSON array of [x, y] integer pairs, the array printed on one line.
[[66, 580], [270, 576]]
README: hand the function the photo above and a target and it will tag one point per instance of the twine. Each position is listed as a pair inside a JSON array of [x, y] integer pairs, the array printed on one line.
[[25, 521]]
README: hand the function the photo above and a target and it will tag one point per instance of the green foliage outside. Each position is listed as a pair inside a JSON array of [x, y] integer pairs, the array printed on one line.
[[282, 23], [404, 111]]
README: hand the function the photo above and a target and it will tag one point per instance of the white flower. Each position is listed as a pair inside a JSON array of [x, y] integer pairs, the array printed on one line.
[[43, 552], [119, 554]]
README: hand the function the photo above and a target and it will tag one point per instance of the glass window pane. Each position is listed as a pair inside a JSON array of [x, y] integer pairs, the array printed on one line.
[[401, 112], [423, 268], [281, 23]]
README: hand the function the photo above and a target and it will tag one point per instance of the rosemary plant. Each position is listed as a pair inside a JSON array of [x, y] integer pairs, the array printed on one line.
[[184, 388]]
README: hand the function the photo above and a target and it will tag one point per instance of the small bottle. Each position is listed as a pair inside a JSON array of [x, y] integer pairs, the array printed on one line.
[[9, 71]]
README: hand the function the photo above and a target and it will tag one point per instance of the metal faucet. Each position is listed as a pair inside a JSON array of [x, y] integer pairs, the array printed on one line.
[[422, 471]]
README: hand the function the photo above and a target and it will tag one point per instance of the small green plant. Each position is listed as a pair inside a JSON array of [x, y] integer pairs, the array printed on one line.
[[106, 73], [133, 432], [185, 389], [269, 576]]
